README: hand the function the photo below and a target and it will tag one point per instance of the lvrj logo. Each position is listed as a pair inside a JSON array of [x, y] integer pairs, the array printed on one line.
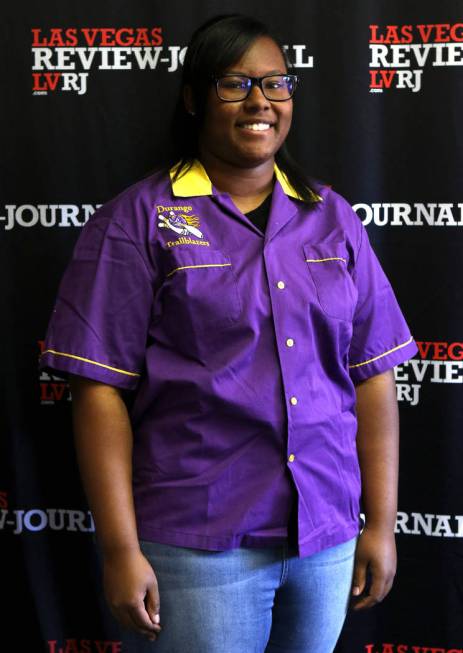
[[399, 53]]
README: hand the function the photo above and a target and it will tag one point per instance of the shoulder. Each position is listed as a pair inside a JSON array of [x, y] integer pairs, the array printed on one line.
[[137, 199], [336, 203], [129, 214], [338, 211]]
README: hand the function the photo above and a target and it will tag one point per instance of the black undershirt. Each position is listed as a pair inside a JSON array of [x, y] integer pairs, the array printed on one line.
[[259, 217]]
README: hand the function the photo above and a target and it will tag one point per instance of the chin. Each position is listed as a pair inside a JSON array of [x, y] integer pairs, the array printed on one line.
[[256, 157]]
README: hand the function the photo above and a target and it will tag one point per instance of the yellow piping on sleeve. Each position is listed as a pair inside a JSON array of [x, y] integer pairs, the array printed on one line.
[[389, 351], [87, 360]]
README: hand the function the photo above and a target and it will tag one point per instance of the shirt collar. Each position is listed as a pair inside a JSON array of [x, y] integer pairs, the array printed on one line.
[[195, 182]]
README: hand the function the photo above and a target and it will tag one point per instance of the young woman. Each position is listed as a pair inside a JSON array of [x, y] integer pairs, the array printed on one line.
[[230, 338]]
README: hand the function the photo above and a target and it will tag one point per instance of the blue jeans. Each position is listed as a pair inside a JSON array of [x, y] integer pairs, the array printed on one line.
[[244, 600]]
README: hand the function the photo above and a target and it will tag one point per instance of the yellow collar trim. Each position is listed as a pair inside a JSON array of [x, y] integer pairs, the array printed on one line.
[[192, 183], [196, 182], [290, 190]]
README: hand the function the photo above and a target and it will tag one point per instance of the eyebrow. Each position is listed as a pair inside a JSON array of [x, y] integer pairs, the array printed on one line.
[[272, 72]]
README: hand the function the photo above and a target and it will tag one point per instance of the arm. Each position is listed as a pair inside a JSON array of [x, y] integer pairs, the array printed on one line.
[[103, 441], [378, 451]]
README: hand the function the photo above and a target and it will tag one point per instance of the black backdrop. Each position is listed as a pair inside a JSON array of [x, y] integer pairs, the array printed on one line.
[[376, 116]]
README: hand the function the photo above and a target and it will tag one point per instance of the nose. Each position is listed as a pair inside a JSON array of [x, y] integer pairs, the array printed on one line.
[[256, 97]]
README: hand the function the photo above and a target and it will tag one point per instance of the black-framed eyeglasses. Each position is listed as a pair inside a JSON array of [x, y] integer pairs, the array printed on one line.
[[234, 88]]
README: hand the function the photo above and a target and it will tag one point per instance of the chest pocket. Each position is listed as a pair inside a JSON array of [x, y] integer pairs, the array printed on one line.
[[200, 291], [327, 265]]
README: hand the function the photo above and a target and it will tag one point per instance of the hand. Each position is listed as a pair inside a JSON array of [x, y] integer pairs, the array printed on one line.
[[129, 581], [376, 551]]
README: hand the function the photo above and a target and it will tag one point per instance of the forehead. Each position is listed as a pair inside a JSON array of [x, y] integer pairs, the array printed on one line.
[[261, 58]]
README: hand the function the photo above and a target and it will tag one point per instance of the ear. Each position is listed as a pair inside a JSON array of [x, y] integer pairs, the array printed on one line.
[[188, 99]]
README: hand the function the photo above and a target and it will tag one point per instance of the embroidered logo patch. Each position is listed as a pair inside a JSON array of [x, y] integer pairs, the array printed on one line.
[[176, 219]]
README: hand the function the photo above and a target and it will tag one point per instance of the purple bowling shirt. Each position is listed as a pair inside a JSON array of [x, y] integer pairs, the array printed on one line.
[[242, 349]]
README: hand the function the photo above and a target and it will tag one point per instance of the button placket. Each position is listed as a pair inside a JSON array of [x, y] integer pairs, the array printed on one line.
[[280, 303]]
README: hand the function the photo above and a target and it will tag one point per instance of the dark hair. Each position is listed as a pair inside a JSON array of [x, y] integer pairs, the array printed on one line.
[[213, 47]]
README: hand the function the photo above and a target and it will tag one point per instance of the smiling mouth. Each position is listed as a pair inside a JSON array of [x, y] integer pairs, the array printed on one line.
[[256, 126]]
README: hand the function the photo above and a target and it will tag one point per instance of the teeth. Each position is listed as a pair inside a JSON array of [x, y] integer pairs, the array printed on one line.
[[257, 126]]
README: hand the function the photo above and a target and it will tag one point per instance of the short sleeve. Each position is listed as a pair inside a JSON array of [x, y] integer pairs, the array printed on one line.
[[381, 338], [99, 325]]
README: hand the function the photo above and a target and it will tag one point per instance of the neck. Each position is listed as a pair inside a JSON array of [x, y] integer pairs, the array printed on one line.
[[239, 182]]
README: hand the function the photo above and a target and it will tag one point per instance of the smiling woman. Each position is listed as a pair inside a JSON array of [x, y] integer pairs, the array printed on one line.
[[248, 133], [242, 305], [240, 128]]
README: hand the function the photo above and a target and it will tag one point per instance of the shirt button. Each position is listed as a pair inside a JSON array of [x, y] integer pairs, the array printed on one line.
[[281, 285], [291, 458], [293, 400], [289, 342]]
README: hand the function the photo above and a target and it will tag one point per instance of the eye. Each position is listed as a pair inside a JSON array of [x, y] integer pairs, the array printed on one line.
[[275, 82], [233, 82]]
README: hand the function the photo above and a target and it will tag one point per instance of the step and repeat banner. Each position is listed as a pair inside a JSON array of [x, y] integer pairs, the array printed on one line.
[[88, 92]]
